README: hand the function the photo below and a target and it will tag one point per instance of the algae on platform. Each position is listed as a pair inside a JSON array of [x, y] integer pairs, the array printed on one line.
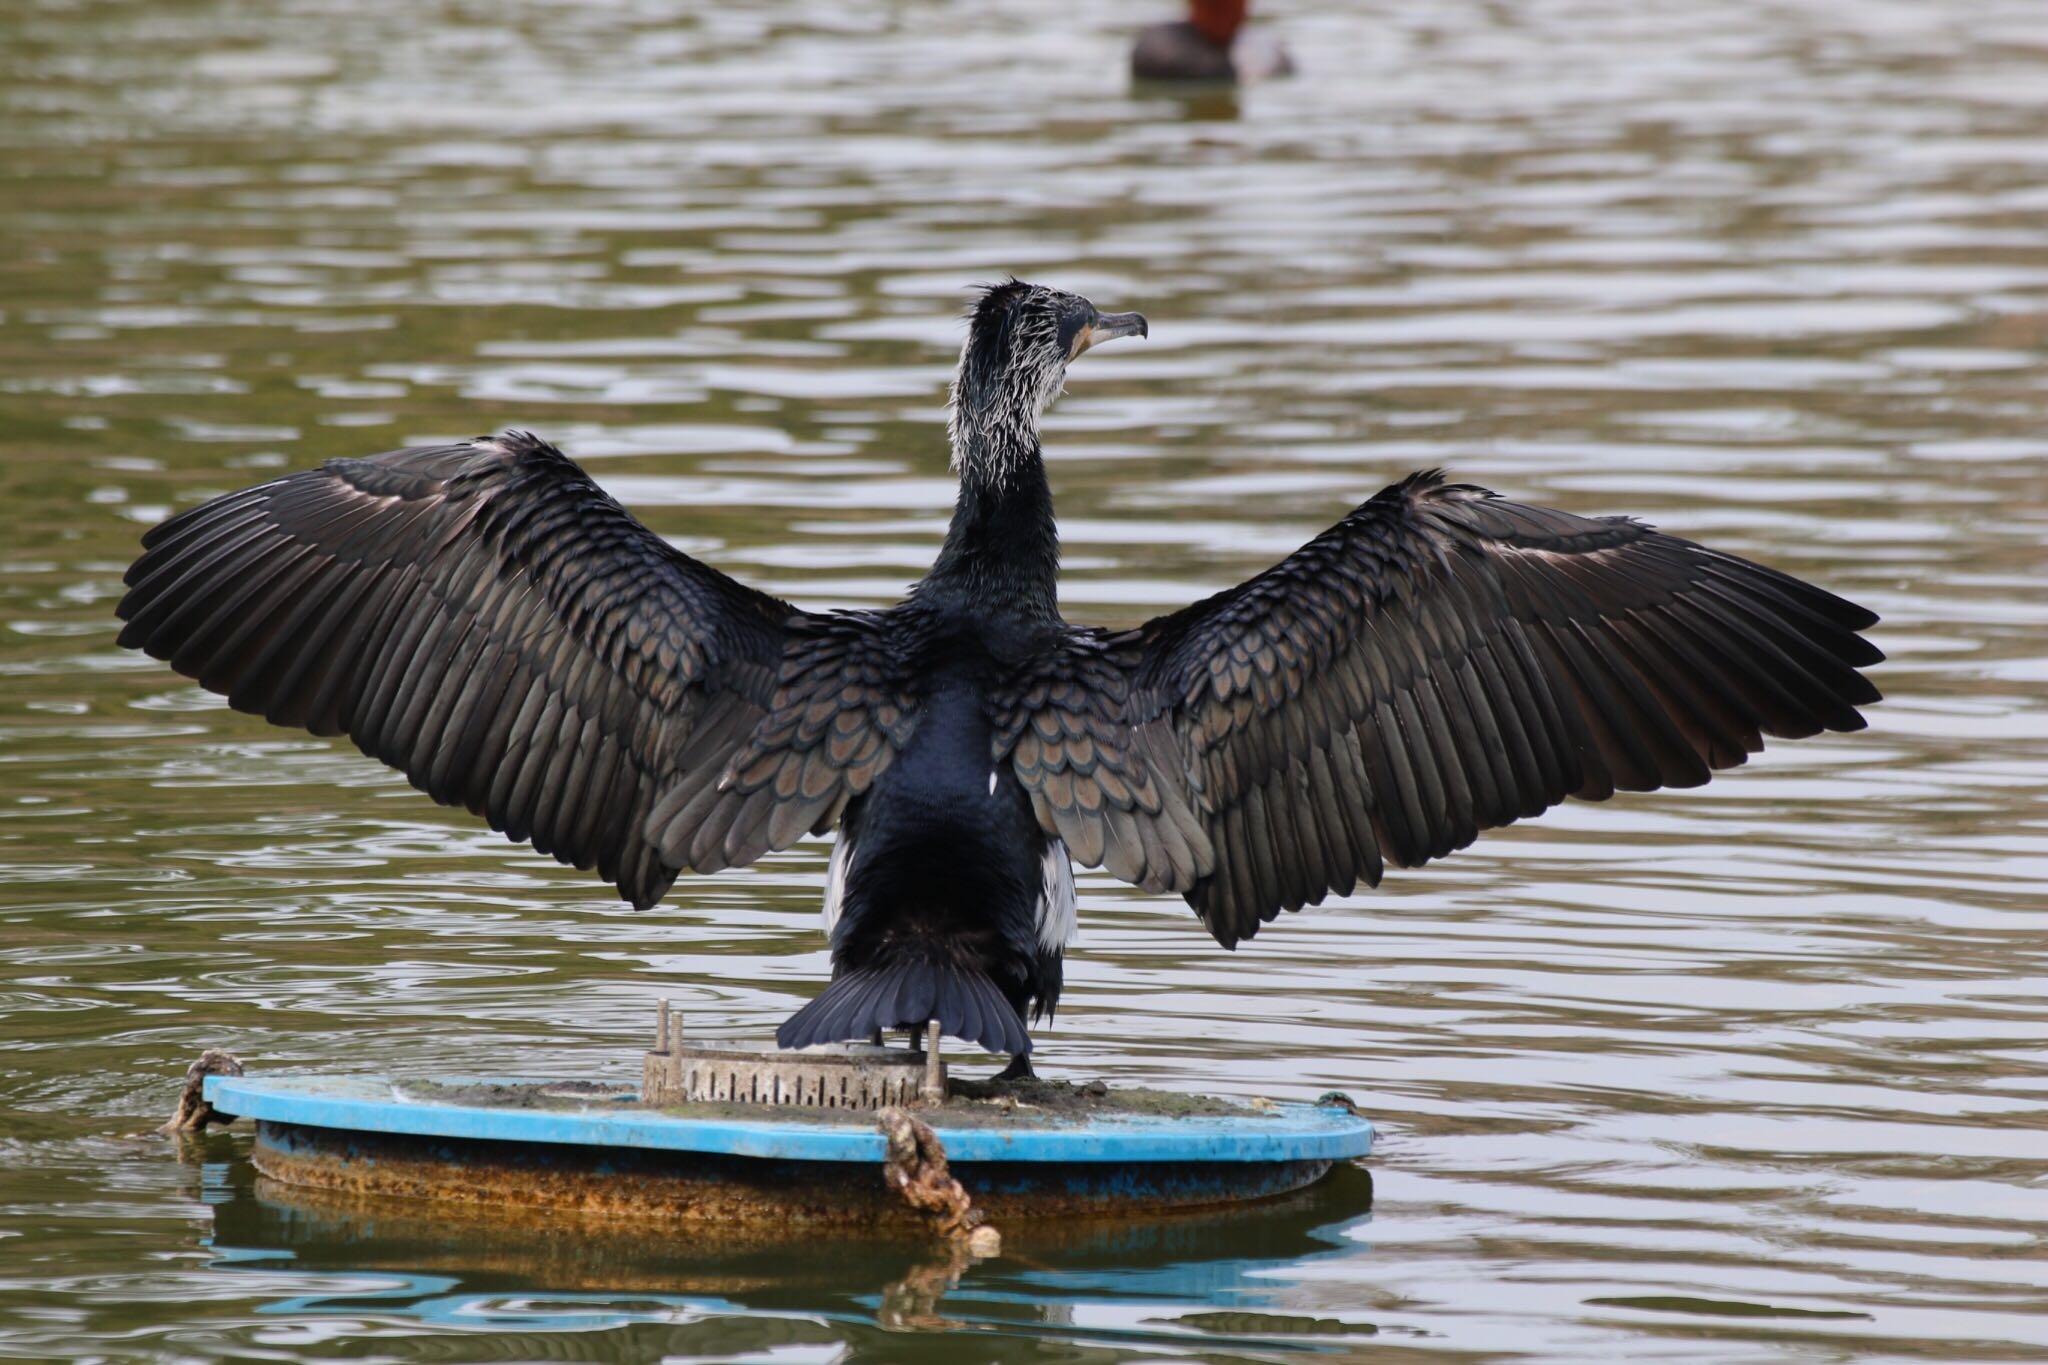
[[972, 1103]]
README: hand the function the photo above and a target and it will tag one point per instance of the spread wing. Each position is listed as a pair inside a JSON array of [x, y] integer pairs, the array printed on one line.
[[484, 618], [1440, 662]]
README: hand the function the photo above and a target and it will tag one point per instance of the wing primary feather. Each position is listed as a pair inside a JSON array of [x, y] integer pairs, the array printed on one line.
[[1443, 661], [479, 615]]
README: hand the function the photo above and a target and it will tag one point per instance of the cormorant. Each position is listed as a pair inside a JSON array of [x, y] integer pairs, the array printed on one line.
[[1441, 661]]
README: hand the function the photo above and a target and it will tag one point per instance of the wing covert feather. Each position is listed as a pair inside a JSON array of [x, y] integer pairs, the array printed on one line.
[[1115, 791]]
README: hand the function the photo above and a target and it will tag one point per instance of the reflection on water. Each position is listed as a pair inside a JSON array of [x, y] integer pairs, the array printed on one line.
[[1209, 1281], [1755, 1072]]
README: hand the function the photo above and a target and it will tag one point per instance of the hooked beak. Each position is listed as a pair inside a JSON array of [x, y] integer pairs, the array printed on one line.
[[1108, 327]]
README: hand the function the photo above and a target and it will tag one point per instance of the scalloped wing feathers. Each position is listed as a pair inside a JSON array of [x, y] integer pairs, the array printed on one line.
[[1440, 662], [484, 618]]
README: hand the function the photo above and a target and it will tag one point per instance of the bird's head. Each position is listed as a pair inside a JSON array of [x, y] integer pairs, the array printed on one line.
[[1020, 339]]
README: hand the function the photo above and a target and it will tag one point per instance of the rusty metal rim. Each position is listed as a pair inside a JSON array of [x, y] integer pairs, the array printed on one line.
[[738, 1192]]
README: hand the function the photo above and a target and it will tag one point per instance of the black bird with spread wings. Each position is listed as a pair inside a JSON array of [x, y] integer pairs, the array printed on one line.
[[1442, 661]]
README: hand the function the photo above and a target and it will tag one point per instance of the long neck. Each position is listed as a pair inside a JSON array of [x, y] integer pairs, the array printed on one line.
[[1002, 552]]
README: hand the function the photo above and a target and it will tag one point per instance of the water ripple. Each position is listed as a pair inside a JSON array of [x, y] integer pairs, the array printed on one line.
[[1748, 1073]]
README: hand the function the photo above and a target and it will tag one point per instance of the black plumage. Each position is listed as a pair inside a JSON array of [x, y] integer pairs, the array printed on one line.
[[1440, 662]]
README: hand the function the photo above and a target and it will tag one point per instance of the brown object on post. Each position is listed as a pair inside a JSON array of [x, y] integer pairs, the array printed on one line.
[[193, 1112], [916, 1169]]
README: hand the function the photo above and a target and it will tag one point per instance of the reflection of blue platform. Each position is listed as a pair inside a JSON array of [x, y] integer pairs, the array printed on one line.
[[1194, 1285], [528, 1144]]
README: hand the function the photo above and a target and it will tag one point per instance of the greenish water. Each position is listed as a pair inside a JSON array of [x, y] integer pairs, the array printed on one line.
[[1758, 1072]]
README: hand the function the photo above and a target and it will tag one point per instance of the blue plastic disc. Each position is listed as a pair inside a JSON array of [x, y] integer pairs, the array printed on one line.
[[384, 1105]]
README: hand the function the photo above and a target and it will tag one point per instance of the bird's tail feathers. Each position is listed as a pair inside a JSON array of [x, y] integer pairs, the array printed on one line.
[[965, 1001]]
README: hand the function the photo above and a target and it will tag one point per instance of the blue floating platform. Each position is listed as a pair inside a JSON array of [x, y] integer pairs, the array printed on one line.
[[536, 1143]]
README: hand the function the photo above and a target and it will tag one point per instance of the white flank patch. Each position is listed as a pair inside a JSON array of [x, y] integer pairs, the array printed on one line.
[[835, 880], [991, 781], [1057, 917]]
